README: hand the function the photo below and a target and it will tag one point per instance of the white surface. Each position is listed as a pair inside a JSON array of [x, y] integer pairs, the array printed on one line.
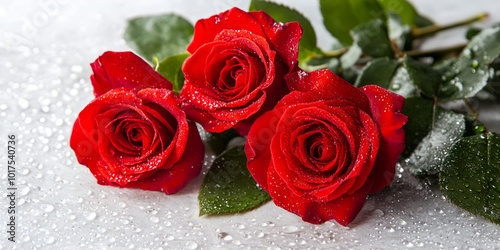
[[46, 47]]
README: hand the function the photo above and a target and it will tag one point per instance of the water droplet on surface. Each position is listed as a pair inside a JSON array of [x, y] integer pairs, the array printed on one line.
[[47, 208], [24, 171], [402, 222], [378, 213], [225, 236], [261, 234], [23, 103], [154, 219], [191, 245], [290, 229], [90, 215], [24, 191], [50, 240]]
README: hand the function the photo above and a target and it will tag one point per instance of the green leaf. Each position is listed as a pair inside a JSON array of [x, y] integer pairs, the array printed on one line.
[[310, 65], [373, 39], [401, 83], [473, 126], [470, 73], [470, 177], [229, 187], [472, 32], [171, 68], [399, 33], [379, 71], [422, 21], [386, 73], [423, 76], [285, 14], [431, 131], [350, 58], [419, 112], [441, 66], [160, 36], [340, 16], [351, 74], [494, 81], [218, 141], [403, 8]]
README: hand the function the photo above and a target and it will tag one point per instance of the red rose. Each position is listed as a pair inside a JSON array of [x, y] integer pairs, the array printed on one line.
[[237, 68], [326, 146], [124, 69], [138, 139]]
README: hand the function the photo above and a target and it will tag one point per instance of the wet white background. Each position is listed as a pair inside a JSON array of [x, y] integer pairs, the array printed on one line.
[[45, 50]]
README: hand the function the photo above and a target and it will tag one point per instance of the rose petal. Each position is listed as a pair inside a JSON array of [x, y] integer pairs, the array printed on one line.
[[257, 147], [343, 210], [124, 69], [386, 110], [188, 167], [85, 152], [326, 86], [283, 38]]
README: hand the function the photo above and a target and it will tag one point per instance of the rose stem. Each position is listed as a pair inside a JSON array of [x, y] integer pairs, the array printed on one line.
[[435, 52], [333, 53], [432, 29], [475, 114]]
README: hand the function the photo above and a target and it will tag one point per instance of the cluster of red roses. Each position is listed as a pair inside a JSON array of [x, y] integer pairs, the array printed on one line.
[[315, 143]]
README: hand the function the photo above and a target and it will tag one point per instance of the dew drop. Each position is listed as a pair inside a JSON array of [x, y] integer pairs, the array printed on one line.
[[474, 63], [396, 86]]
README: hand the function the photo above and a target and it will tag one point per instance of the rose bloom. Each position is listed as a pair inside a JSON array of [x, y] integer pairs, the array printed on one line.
[[237, 68], [326, 146], [136, 138]]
